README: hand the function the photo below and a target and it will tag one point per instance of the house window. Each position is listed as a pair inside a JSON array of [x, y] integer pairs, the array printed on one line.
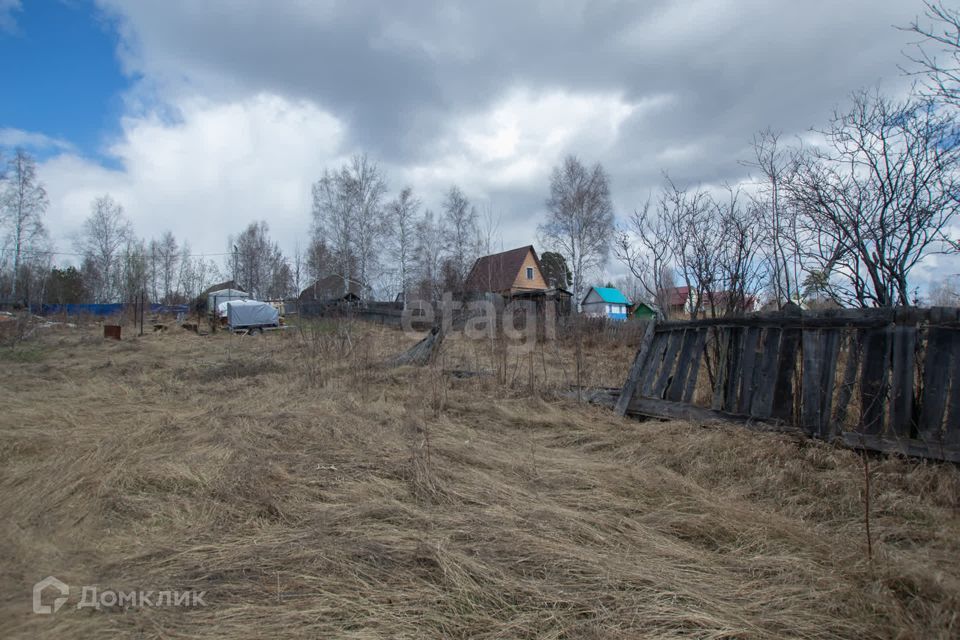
[[529, 273]]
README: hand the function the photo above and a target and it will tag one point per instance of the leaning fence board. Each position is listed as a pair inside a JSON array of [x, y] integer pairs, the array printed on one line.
[[751, 339], [849, 381], [811, 406], [674, 391], [633, 379], [720, 373], [766, 375], [734, 361], [873, 384], [828, 374], [934, 398], [657, 351], [666, 369], [783, 391], [952, 432], [901, 399], [690, 386]]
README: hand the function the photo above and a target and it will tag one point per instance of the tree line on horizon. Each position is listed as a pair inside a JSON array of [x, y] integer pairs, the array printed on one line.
[[844, 221]]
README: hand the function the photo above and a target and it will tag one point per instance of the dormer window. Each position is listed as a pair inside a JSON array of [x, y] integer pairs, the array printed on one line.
[[529, 273]]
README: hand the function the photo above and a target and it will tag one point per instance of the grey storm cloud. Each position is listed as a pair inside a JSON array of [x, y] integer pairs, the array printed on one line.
[[397, 72]]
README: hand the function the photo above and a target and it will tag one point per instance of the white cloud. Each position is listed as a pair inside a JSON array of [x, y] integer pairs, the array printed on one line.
[[19, 138], [208, 175]]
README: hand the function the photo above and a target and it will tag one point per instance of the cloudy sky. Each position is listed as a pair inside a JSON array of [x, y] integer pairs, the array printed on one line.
[[200, 117]]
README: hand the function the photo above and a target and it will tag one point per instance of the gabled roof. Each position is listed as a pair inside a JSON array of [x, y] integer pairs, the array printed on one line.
[[610, 295], [329, 288], [676, 296], [498, 271]]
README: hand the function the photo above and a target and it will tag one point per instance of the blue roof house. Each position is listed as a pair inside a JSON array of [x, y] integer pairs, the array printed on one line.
[[605, 302]]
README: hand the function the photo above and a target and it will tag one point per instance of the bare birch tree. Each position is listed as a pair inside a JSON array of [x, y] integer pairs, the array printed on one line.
[[105, 233], [579, 223], [23, 202], [402, 218], [938, 54], [460, 234]]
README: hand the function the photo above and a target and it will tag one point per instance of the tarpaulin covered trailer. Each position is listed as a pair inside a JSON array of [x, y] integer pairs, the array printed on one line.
[[250, 314]]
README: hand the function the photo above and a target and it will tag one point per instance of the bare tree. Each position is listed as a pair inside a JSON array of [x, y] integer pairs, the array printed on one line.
[[938, 54], [460, 234], [946, 292], [878, 198], [22, 204], [167, 258], [429, 255], [776, 163], [260, 264], [645, 246], [402, 216], [347, 210], [105, 233], [580, 224]]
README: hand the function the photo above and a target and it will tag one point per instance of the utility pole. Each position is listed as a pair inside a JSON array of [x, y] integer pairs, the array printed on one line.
[[142, 300]]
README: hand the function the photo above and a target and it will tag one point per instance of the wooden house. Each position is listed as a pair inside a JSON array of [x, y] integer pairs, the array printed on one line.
[[605, 302], [509, 273]]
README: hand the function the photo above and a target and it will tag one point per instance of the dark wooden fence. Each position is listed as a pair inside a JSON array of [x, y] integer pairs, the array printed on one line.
[[879, 379]]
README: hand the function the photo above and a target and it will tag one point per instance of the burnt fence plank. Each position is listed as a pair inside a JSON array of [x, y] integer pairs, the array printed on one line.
[[765, 376]]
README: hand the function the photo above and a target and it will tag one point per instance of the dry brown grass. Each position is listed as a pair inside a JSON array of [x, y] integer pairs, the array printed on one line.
[[315, 496]]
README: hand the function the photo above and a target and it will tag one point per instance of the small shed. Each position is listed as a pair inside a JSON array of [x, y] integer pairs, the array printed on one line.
[[605, 302], [642, 311]]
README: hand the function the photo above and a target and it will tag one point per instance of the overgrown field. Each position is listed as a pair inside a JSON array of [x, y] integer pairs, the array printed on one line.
[[310, 492]]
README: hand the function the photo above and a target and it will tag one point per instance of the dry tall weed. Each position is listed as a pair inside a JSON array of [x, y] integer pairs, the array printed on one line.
[[353, 508]]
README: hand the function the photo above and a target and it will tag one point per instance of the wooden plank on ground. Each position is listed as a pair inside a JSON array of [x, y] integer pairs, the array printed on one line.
[[765, 376], [636, 370], [674, 391], [901, 400], [873, 380], [698, 354], [907, 447], [783, 391], [656, 408], [666, 370], [936, 374]]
